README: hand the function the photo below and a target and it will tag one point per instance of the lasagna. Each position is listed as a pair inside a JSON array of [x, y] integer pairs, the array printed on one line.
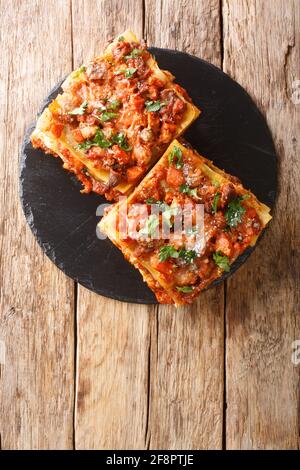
[[115, 118], [179, 260]]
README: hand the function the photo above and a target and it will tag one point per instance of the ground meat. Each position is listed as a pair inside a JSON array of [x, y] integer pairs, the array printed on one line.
[[96, 70], [114, 179], [228, 193], [145, 246], [185, 276], [121, 49]]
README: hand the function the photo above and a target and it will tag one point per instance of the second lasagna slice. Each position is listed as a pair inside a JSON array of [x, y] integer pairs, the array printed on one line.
[[115, 118], [185, 224]]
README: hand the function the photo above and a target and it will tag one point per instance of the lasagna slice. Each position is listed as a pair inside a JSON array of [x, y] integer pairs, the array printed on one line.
[[185, 224], [115, 118]]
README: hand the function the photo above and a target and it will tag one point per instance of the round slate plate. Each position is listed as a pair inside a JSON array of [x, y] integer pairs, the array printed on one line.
[[230, 131]]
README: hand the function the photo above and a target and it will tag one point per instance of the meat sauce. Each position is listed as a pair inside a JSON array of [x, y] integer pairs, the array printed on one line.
[[120, 114], [230, 224]]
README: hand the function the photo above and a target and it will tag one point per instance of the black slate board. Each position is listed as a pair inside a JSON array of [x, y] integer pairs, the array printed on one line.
[[230, 131]]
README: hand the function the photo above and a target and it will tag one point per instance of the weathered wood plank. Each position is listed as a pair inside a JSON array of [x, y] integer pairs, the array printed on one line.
[[261, 51], [36, 383], [113, 337], [186, 393]]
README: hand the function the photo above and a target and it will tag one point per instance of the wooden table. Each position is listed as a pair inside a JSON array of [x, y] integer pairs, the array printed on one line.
[[82, 371]]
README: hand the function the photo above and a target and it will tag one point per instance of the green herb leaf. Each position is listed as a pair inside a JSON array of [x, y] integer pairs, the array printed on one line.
[[129, 72], [192, 231], [167, 213], [149, 230], [153, 106], [80, 110], [185, 289], [221, 261], [215, 203], [177, 155], [113, 104], [121, 140], [150, 201], [185, 189], [121, 38], [134, 53], [107, 116], [166, 252], [99, 140], [235, 212], [187, 255], [119, 71]]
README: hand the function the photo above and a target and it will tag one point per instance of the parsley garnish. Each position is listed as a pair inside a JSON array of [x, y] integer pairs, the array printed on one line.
[[177, 155], [221, 261], [107, 116], [187, 255], [79, 71], [150, 201], [166, 252], [149, 230], [80, 110], [121, 38], [153, 106], [99, 140], [113, 104], [118, 72], [185, 189], [185, 289], [167, 213], [235, 212], [121, 141], [130, 72], [215, 203], [134, 53]]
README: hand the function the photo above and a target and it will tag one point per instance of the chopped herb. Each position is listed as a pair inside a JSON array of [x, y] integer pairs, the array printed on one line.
[[185, 189], [187, 255], [113, 104], [166, 252], [167, 213], [121, 38], [80, 110], [221, 261], [118, 72], [177, 155], [185, 289], [79, 71], [107, 116], [149, 230], [121, 140], [215, 203], [99, 140], [150, 201], [130, 72], [235, 212], [153, 106], [191, 231], [134, 53]]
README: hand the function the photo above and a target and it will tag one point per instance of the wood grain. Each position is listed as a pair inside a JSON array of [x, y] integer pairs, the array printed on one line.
[[186, 376], [113, 337], [36, 325], [261, 51]]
